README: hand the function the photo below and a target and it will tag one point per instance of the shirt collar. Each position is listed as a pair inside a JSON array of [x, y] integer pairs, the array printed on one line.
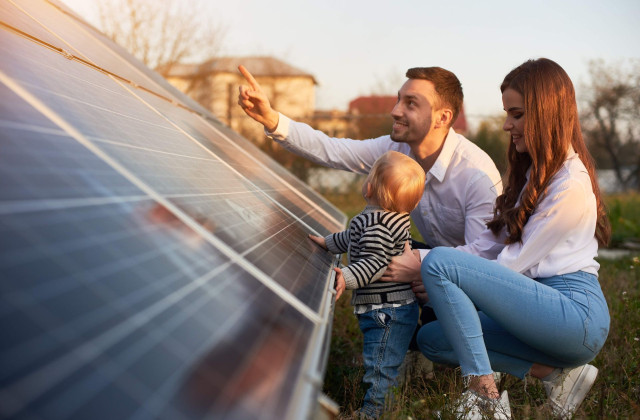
[[370, 208], [439, 168]]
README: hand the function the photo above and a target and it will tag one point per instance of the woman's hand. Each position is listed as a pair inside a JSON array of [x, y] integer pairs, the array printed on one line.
[[404, 268]]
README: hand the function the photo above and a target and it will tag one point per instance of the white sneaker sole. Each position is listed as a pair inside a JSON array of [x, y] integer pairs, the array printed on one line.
[[578, 392]]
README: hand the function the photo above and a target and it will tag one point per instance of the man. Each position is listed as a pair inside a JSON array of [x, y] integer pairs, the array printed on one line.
[[462, 180]]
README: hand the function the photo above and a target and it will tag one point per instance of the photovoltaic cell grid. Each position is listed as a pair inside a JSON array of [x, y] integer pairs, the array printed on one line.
[[114, 56], [153, 263]]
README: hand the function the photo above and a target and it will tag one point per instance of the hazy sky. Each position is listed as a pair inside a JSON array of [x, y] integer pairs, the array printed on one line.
[[354, 47]]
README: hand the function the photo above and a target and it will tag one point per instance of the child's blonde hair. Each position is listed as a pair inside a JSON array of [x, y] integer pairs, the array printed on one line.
[[397, 182]]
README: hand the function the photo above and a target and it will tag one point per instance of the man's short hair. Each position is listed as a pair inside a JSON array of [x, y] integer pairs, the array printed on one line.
[[447, 87]]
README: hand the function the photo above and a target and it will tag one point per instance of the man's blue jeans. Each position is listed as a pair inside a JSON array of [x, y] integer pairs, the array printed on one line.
[[387, 333], [491, 318]]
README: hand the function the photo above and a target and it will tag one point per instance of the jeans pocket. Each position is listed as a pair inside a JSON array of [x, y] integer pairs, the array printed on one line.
[[383, 319]]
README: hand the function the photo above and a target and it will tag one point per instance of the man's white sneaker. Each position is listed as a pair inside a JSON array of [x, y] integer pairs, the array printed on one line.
[[472, 406], [567, 390]]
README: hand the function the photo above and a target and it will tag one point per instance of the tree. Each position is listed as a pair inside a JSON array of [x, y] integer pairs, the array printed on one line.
[[611, 118], [491, 138], [161, 33]]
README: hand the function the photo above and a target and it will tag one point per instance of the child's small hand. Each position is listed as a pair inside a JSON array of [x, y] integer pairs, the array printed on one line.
[[340, 283], [319, 240]]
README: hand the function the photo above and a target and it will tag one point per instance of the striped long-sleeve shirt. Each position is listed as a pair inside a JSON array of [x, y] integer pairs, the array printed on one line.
[[374, 236]]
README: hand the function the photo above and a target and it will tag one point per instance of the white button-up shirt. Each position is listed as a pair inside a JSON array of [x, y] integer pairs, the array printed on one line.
[[460, 188], [559, 237]]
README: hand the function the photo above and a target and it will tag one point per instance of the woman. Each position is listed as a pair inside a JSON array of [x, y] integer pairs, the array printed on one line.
[[524, 298]]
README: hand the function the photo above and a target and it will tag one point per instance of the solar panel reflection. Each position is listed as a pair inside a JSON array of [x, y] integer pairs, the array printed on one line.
[[281, 187], [153, 264]]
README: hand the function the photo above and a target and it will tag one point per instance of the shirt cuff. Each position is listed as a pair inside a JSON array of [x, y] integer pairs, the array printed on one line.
[[282, 129], [349, 279], [331, 245]]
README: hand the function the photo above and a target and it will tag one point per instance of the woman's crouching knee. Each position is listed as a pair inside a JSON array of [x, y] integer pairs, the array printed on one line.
[[433, 267], [434, 345]]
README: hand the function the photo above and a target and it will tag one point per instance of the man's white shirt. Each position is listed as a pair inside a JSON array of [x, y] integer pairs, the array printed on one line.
[[460, 188]]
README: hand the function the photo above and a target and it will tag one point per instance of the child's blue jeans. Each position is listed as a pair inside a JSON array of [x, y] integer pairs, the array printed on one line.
[[491, 318], [387, 334]]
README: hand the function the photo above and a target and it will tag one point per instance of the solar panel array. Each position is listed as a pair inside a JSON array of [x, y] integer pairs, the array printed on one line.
[[153, 263]]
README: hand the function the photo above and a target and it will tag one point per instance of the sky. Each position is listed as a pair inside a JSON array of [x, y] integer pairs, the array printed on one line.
[[360, 47]]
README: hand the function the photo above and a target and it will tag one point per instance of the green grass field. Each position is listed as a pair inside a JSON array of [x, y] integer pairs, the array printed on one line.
[[615, 395]]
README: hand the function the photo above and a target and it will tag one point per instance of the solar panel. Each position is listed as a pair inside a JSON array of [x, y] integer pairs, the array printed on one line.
[[153, 263]]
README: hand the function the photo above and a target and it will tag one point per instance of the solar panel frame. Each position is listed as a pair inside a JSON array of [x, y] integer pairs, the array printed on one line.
[[75, 218], [19, 214]]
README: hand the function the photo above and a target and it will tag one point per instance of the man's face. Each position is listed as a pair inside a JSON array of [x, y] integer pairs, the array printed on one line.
[[413, 113]]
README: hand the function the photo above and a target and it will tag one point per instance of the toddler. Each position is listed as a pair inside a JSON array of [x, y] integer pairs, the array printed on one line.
[[387, 312]]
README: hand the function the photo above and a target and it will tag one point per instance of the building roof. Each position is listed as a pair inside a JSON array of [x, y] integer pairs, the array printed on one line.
[[259, 66], [460, 124], [371, 105]]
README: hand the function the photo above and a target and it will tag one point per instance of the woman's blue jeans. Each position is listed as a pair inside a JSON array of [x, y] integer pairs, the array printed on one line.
[[491, 318]]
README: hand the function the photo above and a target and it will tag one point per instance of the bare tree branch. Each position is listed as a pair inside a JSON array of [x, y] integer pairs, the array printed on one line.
[[162, 33], [611, 118]]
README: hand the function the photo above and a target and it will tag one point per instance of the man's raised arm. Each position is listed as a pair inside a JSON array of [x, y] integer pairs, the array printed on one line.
[[255, 103], [301, 139]]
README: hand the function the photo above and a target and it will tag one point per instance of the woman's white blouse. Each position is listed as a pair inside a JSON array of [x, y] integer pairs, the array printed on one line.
[[559, 237]]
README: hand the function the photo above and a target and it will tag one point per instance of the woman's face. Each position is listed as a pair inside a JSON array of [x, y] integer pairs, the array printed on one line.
[[513, 103]]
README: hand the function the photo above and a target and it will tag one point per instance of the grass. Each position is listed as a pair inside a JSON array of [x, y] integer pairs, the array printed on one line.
[[624, 213], [616, 393]]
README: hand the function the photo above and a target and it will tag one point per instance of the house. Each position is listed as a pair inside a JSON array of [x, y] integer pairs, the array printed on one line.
[[372, 115], [214, 84], [334, 123]]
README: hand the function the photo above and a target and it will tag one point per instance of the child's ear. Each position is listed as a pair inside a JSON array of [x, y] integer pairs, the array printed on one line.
[[368, 194]]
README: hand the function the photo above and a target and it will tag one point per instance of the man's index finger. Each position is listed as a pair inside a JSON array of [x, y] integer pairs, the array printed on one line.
[[249, 77]]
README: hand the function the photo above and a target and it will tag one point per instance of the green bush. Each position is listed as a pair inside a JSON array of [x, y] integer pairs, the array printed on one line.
[[624, 214]]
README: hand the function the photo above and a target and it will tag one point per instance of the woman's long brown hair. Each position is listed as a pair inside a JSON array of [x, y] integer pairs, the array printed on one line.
[[551, 125]]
